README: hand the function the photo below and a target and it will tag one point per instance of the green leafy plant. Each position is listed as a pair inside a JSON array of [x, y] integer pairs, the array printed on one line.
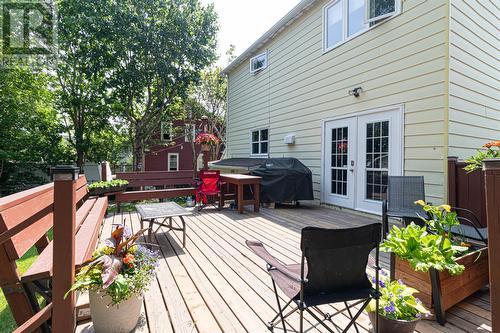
[[108, 184], [121, 268], [397, 301], [424, 249], [475, 162]]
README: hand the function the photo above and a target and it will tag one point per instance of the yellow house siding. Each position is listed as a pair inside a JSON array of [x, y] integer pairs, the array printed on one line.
[[400, 62], [474, 102]]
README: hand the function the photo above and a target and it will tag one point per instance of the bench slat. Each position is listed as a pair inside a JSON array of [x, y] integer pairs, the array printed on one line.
[[42, 267], [86, 238]]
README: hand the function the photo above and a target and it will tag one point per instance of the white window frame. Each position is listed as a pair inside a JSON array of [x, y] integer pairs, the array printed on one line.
[[345, 22], [168, 161], [265, 55], [259, 154], [397, 10], [162, 130]]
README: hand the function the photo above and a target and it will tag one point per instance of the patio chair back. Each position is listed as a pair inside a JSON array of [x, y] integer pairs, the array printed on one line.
[[403, 191], [337, 258], [210, 181]]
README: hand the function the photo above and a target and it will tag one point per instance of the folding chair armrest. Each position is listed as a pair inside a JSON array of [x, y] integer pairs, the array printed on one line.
[[197, 183], [273, 263]]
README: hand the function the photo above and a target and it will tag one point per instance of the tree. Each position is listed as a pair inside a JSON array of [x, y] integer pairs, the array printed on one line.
[[211, 93], [83, 95], [30, 132], [158, 48]]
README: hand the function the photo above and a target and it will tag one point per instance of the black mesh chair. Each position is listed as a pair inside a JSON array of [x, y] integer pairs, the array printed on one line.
[[332, 270], [470, 228], [402, 192]]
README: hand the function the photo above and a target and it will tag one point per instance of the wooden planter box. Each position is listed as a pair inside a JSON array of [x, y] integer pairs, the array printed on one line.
[[440, 291], [107, 190]]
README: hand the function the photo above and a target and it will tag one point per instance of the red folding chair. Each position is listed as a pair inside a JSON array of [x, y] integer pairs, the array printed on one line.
[[207, 186]]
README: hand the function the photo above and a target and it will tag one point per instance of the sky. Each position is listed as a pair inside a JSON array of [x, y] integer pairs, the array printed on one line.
[[242, 22]]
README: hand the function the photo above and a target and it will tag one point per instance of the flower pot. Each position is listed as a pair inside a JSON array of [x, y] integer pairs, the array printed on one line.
[[120, 318], [205, 147], [106, 190], [386, 325]]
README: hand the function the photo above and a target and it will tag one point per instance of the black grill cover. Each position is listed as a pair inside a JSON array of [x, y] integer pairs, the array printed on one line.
[[284, 180]]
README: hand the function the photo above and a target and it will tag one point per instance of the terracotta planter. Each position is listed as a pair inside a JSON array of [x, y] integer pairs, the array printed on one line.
[[205, 147], [453, 289], [387, 325], [121, 318]]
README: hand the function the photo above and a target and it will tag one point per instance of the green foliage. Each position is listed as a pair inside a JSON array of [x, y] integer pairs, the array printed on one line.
[[476, 162], [423, 249], [108, 184], [397, 301], [119, 268]]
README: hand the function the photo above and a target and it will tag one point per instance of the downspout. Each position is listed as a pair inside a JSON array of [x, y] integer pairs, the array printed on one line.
[[447, 102]]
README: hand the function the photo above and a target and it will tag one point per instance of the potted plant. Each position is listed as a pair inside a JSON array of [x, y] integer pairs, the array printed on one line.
[[476, 162], [433, 261], [110, 186], [206, 141], [116, 277], [399, 310]]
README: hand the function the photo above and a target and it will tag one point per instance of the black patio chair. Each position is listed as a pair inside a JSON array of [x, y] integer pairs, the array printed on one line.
[[470, 228], [402, 192], [332, 270]]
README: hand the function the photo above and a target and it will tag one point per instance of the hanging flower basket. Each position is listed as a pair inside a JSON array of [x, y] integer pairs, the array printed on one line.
[[207, 141]]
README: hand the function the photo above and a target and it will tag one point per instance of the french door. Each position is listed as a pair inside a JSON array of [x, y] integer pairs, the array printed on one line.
[[360, 153]]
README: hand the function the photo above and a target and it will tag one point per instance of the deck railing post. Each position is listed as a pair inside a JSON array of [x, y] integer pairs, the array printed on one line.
[[491, 169], [63, 317], [452, 180]]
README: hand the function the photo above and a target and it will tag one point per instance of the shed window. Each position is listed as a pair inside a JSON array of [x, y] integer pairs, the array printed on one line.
[[173, 162], [258, 63], [260, 142], [166, 131]]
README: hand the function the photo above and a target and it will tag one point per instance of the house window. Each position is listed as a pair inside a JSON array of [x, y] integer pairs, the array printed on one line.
[[258, 63], [380, 9], [260, 142], [173, 162], [166, 131], [344, 19]]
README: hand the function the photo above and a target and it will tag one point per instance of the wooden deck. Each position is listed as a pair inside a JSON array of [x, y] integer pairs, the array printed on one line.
[[216, 284]]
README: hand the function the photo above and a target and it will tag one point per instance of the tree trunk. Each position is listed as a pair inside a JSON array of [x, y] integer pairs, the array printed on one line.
[[138, 155], [79, 146]]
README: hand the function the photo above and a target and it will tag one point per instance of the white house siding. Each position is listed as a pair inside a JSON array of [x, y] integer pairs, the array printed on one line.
[[474, 75], [400, 62]]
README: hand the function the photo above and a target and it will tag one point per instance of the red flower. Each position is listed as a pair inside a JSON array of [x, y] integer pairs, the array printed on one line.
[[492, 144], [129, 260], [207, 139]]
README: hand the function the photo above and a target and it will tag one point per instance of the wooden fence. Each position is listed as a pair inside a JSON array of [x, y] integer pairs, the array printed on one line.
[[466, 190]]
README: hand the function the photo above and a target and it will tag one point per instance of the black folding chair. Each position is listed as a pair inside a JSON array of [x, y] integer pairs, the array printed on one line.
[[332, 270], [402, 192]]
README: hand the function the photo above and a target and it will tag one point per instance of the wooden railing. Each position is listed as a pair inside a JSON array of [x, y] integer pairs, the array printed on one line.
[[157, 178], [466, 190], [51, 205]]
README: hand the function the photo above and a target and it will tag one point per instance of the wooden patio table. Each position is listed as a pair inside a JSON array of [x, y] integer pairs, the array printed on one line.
[[240, 181], [163, 211]]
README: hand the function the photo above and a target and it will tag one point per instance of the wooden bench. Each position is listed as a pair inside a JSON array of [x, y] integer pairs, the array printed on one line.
[[25, 219], [167, 184]]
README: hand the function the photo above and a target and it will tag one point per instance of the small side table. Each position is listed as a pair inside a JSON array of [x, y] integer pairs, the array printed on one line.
[[159, 213]]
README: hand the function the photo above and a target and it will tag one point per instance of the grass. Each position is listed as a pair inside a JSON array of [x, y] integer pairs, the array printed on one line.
[[7, 323]]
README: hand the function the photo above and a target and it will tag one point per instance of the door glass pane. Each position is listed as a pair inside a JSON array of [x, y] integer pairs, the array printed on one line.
[[377, 160], [340, 151], [334, 24], [356, 16]]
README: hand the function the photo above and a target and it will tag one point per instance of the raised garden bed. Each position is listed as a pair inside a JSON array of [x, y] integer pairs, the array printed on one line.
[[440, 291]]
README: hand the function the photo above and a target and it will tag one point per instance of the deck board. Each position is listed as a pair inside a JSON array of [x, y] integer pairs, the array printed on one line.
[[216, 284]]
